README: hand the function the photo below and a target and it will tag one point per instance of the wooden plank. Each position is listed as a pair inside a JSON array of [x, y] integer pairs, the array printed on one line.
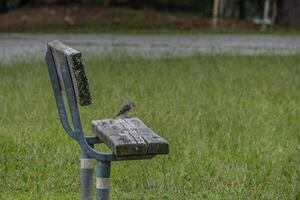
[[62, 48], [59, 51], [77, 71], [57, 57], [80, 81], [118, 138], [129, 136], [132, 130], [155, 143]]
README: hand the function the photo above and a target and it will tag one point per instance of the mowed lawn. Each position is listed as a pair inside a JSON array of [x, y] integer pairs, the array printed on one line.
[[233, 124]]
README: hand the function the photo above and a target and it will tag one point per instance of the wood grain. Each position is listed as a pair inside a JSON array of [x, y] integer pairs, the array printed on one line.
[[117, 138], [156, 144], [61, 51], [129, 137]]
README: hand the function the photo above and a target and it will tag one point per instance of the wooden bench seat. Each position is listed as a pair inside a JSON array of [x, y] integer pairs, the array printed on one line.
[[129, 136]]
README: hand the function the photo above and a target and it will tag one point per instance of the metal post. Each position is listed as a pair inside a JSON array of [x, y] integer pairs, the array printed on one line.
[[266, 15], [86, 179], [216, 8], [102, 185]]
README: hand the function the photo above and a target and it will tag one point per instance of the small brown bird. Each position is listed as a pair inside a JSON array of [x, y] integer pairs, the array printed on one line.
[[125, 110]]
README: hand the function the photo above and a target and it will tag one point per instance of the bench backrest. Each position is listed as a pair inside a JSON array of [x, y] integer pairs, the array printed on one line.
[[61, 52]]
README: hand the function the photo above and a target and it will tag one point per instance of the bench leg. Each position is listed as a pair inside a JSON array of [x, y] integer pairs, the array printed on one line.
[[103, 174], [86, 179]]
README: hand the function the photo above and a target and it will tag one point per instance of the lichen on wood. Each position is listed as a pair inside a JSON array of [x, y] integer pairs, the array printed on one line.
[[61, 51]]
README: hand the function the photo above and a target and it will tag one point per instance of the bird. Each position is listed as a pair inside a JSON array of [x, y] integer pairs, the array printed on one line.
[[125, 110]]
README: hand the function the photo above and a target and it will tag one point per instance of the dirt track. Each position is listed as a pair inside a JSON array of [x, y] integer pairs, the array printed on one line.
[[15, 46]]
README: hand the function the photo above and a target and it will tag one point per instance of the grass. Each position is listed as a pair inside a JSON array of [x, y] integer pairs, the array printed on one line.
[[232, 123]]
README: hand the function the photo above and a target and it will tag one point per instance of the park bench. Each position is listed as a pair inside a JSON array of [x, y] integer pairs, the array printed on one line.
[[128, 138]]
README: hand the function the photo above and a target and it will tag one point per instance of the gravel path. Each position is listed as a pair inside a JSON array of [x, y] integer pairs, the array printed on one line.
[[14, 46]]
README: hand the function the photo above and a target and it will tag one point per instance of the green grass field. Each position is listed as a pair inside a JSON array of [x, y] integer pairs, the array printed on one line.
[[232, 123]]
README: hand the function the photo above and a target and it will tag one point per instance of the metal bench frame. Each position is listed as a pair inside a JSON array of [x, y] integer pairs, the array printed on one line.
[[88, 153]]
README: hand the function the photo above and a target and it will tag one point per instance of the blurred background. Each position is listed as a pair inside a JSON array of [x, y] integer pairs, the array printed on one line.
[[148, 15], [228, 104]]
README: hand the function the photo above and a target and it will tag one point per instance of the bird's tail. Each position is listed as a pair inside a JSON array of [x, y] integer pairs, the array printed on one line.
[[117, 115]]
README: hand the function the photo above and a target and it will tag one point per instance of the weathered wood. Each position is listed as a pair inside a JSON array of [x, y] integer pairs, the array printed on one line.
[[129, 136], [156, 144], [118, 138], [61, 51]]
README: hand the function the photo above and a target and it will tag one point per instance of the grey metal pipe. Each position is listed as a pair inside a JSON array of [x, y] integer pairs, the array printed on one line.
[[86, 178], [102, 185]]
